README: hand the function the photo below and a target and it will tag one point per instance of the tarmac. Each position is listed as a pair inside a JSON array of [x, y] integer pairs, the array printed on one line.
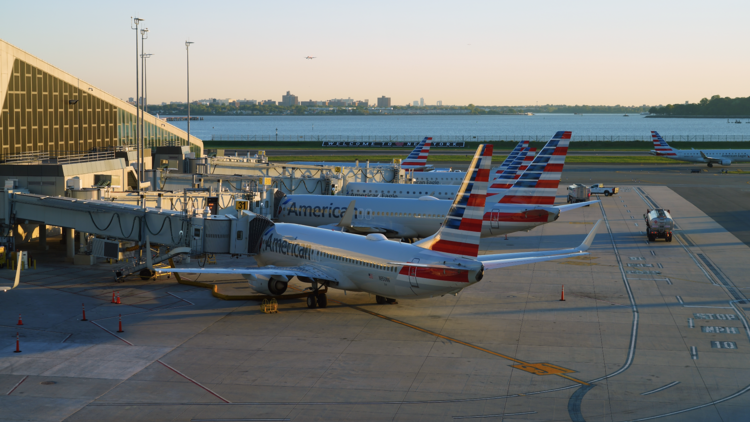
[[647, 331]]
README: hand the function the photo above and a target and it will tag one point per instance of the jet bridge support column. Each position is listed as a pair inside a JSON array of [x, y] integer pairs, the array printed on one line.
[[70, 243], [43, 236]]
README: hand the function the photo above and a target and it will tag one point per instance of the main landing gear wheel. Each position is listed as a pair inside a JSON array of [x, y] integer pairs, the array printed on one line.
[[312, 303], [381, 300], [322, 300], [392, 301]]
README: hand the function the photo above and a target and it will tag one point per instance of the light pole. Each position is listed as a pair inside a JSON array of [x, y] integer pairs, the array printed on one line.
[[145, 80], [141, 170], [137, 21], [187, 48]]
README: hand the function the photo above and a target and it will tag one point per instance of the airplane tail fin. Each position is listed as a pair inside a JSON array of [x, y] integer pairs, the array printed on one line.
[[538, 184], [511, 158], [661, 147], [506, 179], [417, 159], [462, 228]]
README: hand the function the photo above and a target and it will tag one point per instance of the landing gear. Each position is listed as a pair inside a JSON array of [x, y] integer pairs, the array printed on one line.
[[145, 274], [312, 302], [384, 300], [322, 300]]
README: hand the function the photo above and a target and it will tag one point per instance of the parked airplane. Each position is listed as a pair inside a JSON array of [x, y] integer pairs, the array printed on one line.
[[725, 157], [416, 160], [529, 203], [456, 177], [408, 190], [445, 263]]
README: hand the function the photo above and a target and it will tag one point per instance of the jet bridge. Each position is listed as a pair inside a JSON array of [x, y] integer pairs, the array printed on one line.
[[173, 232]]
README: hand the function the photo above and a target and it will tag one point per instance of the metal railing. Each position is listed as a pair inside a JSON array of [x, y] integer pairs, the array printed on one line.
[[474, 138]]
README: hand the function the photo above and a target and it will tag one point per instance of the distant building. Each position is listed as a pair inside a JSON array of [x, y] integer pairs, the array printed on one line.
[[384, 102], [340, 102], [364, 103], [311, 103], [269, 102], [415, 104], [439, 102], [421, 102], [248, 102], [289, 100]]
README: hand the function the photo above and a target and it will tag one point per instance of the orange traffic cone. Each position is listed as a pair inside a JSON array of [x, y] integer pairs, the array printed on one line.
[[19, 320], [118, 298], [113, 297], [562, 296]]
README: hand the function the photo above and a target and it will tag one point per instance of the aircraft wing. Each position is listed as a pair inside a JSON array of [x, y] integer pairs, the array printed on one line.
[[521, 258], [268, 271], [569, 207]]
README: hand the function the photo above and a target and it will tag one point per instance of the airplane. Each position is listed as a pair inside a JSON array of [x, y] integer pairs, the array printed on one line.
[[407, 190], [19, 265], [529, 203], [416, 160], [310, 57], [725, 157], [456, 177], [445, 263]]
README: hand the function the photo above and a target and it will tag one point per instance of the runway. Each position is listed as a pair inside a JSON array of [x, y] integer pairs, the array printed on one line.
[[648, 331]]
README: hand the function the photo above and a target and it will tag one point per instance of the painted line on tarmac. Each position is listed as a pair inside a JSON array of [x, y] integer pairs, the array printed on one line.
[[656, 390], [677, 412], [16, 386], [694, 352], [239, 420], [500, 415], [111, 333], [194, 382]]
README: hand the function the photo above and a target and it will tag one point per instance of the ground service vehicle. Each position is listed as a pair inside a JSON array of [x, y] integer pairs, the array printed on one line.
[[600, 189], [578, 193], [659, 223]]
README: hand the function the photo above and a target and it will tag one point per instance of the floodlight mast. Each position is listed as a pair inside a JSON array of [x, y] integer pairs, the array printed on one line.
[[141, 158], [137, 22], [187, 48]]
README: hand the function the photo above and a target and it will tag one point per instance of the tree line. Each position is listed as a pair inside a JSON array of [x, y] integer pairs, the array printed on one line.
[[714, 106]]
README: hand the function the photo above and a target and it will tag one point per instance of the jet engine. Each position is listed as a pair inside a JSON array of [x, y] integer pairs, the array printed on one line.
[[270, 286], [726, 162]]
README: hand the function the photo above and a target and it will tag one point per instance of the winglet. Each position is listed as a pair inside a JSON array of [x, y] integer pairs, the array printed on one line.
[[346, 220], [18, 274], [590, 238]]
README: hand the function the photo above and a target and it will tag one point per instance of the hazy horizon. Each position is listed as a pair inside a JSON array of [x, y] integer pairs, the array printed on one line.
[[485, 53]]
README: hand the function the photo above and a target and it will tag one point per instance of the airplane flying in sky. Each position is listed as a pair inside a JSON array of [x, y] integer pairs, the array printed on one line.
[[445, 263], [416, 160], [529, 203], [725, 157], [310, 57]]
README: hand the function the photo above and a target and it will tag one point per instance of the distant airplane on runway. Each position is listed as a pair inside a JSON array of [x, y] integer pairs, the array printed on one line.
[[309, 57], [724, 157]]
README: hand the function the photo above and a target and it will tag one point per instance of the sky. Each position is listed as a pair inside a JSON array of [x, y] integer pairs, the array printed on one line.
[[481, 52]]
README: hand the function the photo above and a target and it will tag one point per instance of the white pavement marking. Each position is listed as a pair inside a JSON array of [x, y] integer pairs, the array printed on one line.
[[691, 324], [501, 415], [111, 333], [737, 394], [660, 388], [694, 352], [679, 299], [195, 382]]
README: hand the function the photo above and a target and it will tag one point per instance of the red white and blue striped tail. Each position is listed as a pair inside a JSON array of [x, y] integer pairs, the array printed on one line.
[[661, 147], [462, 228], [417, 159], [538, 184], [510, 159], [506, 179]]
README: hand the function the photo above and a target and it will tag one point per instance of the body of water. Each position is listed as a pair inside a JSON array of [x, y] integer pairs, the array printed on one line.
[[544, 125]]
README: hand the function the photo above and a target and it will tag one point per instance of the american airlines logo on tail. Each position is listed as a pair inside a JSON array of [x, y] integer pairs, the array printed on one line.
[[512, 157], [660, 145], [462, 229], [538, 184], [417, 159], [508, 177]]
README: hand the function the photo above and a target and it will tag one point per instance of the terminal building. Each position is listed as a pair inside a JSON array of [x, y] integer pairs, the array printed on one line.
[[45, 109]]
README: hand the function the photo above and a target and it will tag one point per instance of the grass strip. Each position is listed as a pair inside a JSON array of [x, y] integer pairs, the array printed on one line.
[[625, 159]]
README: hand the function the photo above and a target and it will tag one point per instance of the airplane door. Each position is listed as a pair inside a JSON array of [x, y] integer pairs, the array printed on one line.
[[495, 219], [413, 274]]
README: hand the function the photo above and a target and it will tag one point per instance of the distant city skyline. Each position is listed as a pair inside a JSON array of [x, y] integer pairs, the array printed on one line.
[[479, 52]]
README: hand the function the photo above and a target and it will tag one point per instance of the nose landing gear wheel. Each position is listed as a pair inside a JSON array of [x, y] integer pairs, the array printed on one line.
[[322, 300], [381, 300], [311, 302]]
